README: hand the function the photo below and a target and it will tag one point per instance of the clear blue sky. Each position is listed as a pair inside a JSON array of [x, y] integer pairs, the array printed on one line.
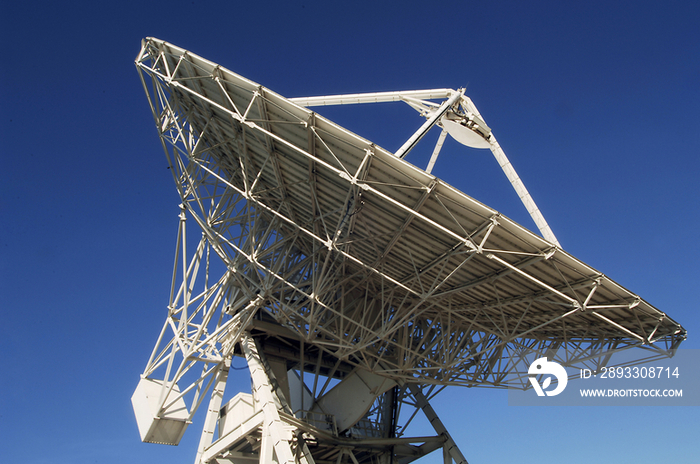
[[596, 104]]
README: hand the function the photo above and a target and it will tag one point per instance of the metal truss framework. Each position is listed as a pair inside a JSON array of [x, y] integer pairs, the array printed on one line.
[[327, 262]]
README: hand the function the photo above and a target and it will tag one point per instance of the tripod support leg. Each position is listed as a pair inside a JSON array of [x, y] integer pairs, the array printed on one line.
[[450, 447]]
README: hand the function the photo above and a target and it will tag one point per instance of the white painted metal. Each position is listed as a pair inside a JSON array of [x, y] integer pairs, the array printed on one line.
[[455, 125], [377, 97], [350, 400], [464, 135], [433, 118], [213, 413], [436, 151], [156, 424], [242, 406], [323, 254], [450, 447], [275, 435], [522, 192], [301, 398]]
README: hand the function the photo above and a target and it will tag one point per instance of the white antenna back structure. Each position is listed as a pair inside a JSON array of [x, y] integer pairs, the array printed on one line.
[[354, 285]]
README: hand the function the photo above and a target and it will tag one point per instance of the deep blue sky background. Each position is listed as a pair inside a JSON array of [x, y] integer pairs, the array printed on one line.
[[596, 104]]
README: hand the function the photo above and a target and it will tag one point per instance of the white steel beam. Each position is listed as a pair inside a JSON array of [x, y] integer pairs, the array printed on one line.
[[275, 435], [375, 97], [522, 192], [427, 125], [436, 151], [212, 416], [450, 447]]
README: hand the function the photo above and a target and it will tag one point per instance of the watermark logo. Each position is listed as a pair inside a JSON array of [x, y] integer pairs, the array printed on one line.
[[543, 367]]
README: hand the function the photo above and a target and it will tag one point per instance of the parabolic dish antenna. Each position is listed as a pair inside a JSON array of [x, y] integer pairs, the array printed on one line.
[[354, 284]]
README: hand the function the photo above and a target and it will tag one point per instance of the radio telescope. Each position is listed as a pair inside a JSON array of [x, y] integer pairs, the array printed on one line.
[[355, 285]]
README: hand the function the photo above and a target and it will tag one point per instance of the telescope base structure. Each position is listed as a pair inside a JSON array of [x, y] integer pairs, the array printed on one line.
[[270, 425]]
